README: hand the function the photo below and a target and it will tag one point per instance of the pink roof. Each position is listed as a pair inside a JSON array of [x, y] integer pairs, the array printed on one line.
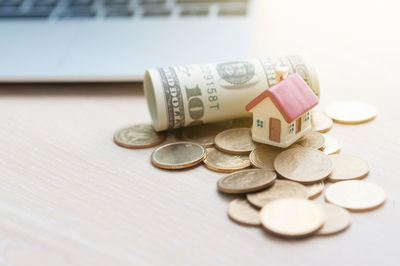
[[291, 96]]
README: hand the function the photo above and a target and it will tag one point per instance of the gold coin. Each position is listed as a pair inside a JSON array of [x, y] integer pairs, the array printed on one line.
[[355, 195], [178, 155], [331, 145], [280, 189], [246, 181], [292, 217], [242, 212], [304, 165], [337, 219], [314, 190], [203, 134], [138, 136], [314, 140], [242, 122], [226, 163], [320, 122], [263, 156], [235, 141], [347, 167], [351, 112]]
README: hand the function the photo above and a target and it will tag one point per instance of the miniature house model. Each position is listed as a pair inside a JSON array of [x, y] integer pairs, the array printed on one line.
[[281, 114]]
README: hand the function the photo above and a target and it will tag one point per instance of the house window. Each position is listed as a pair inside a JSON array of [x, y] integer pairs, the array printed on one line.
[[260, 123], [291, 128], [307, 116]]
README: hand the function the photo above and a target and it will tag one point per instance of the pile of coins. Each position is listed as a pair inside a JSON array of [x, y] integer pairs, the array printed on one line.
[[275, 186]]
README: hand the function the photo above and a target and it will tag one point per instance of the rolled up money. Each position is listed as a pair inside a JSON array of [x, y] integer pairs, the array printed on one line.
[[194, 94]]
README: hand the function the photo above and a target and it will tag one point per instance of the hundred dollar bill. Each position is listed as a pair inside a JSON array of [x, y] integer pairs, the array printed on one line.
[[194, 94]]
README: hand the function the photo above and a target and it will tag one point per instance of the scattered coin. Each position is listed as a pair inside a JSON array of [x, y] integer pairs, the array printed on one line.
[[337, 219], [320, 122], [355, 195], [138, 136], [246, 181], [263, 156], [314, 190], [225, 163], [292, 217], [314, 140], [235, 141], [304, 165], [178, 155], [242, 212], [203, 134], [280, 189], [347, 167], [331, 145], [351, 112]]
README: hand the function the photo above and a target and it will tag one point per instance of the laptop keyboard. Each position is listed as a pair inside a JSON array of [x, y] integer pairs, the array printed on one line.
[[128, 9]]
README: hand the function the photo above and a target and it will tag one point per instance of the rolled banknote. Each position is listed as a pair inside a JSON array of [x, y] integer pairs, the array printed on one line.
[[194, 94]]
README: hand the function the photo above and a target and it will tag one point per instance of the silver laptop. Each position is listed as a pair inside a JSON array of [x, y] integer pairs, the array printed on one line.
[[116, 40]]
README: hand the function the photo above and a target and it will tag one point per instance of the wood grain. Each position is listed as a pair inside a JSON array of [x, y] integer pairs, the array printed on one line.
[[70, 196]]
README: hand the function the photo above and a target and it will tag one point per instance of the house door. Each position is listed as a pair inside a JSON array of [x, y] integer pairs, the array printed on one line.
[[275, 129], [298, 125]]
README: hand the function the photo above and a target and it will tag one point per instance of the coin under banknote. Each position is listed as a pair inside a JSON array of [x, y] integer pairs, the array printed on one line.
[[242, 212], [138, 136], [235, 141], [225, 163], [355, 195], [351, 112], [347, 167], [280, 189], [320, 122], [246, 181], [203, 134], [337, 219], [292, 217], [304, 165], [178, 155], [263, 156], [314, 140]]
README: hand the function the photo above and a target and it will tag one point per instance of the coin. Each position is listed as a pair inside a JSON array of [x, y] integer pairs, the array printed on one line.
[[178, 155], [347, 167], [320, 122], [315, 189], [138, 136], [292, 217], [351, 112], [280, 189], [203, 134], [235, 141], [331, 145], [337, 219], [304, 165], [314, 140], [223, 162], [246, 181], [355, 195], [242, 212], [263, 156]]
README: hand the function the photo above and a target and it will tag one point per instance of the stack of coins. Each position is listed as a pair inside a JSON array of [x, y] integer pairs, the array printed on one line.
[[275, 187]]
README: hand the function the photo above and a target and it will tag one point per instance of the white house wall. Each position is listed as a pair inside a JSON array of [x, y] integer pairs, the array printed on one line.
[[264, 110]]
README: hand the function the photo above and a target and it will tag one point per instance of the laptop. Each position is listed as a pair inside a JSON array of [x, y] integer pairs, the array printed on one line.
[[117, 40]]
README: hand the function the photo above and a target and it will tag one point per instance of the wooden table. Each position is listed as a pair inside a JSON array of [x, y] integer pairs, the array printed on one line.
[[70, 196]]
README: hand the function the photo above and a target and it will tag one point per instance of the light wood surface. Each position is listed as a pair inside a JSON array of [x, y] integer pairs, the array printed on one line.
[[70, 196]]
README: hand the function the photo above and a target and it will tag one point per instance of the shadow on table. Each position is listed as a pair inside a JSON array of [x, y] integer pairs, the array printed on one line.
[[72, 89]]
